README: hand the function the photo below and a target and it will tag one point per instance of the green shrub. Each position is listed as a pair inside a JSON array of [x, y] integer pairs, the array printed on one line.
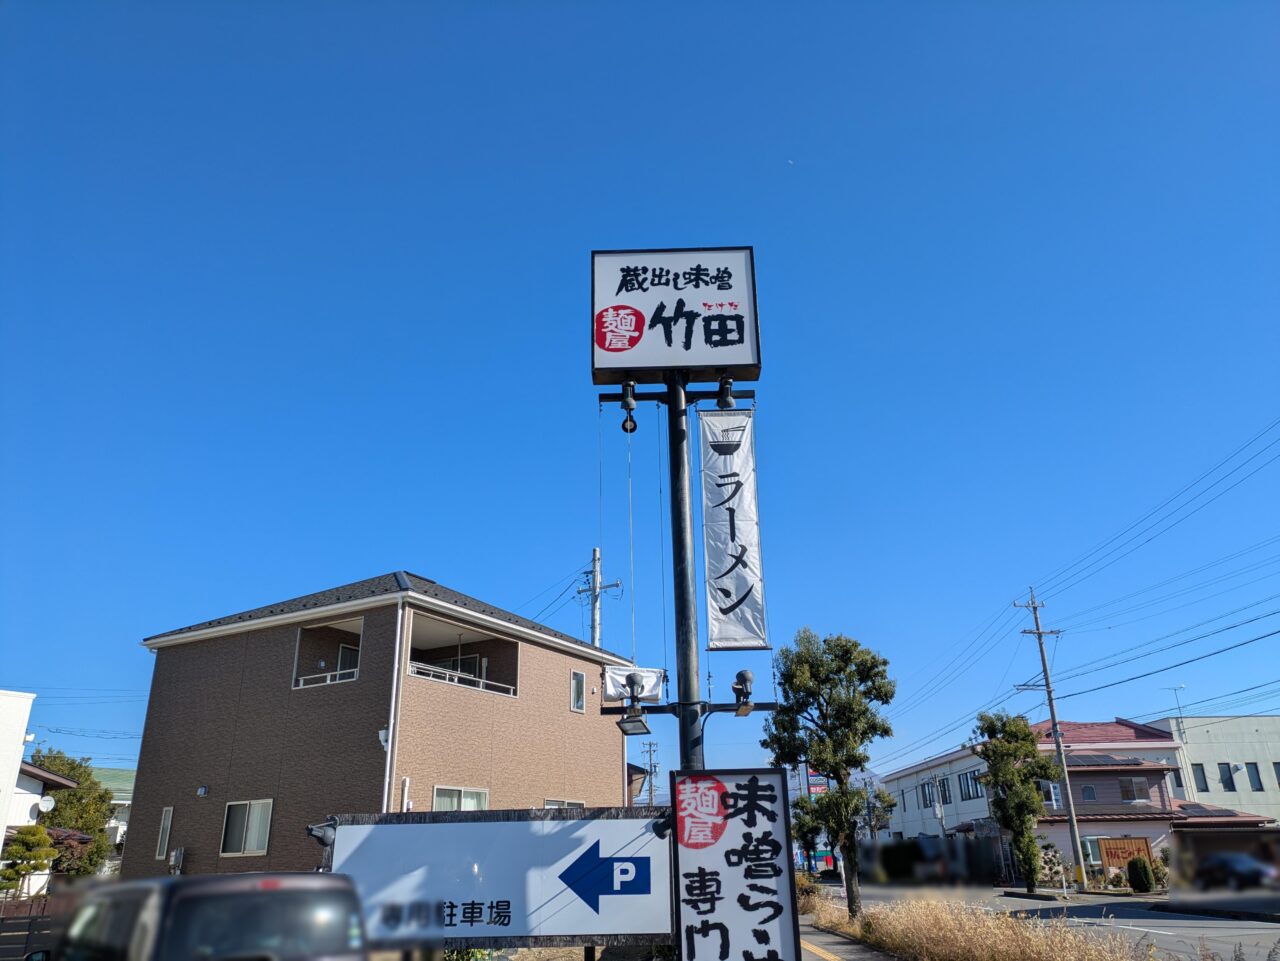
[[1141, 877], [1160, 870]]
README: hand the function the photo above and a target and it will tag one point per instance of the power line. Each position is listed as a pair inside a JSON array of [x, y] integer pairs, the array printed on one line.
[[1082, 576], [1161, 670], [1117, 661], [1084, 557]]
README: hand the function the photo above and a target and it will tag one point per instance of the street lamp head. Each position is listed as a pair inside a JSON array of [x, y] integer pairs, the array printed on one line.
[[633, 724], [724, 399]]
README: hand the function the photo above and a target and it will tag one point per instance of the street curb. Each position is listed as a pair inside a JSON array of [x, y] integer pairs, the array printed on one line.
[[1033, 897], [844, 937], [1216, 913]]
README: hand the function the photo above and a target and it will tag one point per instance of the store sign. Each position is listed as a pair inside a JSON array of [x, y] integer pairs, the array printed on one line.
[[735, 882], [731, 532], [658, 310], [486, 879]]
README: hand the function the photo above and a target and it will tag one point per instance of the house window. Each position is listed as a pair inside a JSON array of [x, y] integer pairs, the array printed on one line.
[[348, 658], [552, 803], [246, 826], [578, 692], [1202, 782], [1134, 789], [460, 799], [1087, 793], [926, 794], [1226, 778], [162, 844], [1255, 776], [1275, 766], [902, 799], [1050, 793], [1092, 849], [970, 786], [1177, 778], [944, 789]]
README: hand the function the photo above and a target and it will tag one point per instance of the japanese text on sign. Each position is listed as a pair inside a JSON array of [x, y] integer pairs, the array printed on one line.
[[691, 310], [731, 531], [734, 881]]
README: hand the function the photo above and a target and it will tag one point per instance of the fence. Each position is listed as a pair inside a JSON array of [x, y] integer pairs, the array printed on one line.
[[25, 926]]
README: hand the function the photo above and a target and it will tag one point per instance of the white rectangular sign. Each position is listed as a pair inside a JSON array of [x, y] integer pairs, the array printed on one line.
[[731, 532], [659, 310], [735, 882], [555, 874]]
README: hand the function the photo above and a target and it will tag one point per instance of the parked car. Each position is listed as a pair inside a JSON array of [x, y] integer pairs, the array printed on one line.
[[1236, 871], [248, 917]]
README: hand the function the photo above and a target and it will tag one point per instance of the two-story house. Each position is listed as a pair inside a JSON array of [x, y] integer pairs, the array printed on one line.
[[390, 694]]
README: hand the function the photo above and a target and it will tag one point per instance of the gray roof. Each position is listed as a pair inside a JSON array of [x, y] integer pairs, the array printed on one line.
[[375, 587], [1110, 760]]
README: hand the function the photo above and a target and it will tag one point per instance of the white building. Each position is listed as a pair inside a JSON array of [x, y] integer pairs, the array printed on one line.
[[15, 712], [1230, 761]]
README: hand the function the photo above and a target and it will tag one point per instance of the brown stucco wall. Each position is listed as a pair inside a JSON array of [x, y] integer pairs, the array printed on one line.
[[523, 749], [223, 713]]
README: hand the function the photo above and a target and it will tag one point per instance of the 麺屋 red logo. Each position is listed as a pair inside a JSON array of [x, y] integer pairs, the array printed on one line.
[[700, 811], [619, 328]]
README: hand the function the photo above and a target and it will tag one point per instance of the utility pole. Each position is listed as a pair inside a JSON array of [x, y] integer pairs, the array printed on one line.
[[1077, 852], [683, 576], [650, 747], [595, 589], [1182, 732]]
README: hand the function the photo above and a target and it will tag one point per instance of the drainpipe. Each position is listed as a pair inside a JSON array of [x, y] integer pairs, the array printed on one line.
[[395, 691]]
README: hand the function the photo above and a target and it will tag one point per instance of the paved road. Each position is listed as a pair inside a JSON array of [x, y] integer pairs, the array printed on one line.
[[1178, 935]]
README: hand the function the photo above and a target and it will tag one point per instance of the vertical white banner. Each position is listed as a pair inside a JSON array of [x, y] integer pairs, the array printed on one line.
[[731, 531]]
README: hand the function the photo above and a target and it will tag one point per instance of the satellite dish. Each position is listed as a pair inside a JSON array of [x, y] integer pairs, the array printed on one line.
[[47, 804]]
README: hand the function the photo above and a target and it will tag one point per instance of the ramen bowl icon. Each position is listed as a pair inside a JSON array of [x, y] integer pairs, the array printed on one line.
[[727, 441]]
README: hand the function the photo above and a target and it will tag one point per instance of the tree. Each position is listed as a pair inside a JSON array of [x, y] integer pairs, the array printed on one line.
[[826, 718], [1014, 765], [805, 827], [28, 853], [880, 814], [85, 808]]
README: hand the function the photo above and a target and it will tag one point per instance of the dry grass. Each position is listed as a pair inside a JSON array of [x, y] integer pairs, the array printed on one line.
[[955, 931]]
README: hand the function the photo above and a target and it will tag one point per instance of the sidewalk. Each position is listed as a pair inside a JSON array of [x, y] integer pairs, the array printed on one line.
[[821, 946]]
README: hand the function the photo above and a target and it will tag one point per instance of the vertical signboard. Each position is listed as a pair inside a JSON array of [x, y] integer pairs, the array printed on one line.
[[734, 879], [731, 532], [658, 310]]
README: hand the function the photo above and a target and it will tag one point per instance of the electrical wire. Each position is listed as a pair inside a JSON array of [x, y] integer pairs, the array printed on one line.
[[1082, 576], [1161, 670], [1048, 581]]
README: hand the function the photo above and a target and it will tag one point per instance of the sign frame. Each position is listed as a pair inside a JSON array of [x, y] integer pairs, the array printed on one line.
[[637, 813], [786, 857], [656, 374]]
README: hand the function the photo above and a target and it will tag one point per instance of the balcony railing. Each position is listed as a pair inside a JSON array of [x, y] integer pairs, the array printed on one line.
[[333, 677], [418, 669]]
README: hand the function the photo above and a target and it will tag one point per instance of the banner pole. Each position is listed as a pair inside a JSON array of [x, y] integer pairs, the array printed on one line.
[[683, 576]]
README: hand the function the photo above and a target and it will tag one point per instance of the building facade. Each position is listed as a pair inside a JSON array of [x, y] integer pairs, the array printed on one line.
[[390, 694], [1232, 761], [1126, 782]]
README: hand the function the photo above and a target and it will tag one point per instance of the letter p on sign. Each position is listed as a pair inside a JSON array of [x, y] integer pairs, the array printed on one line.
[[623, 871]]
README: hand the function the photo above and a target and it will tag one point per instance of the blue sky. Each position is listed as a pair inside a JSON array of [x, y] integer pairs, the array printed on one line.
[[295, 293]]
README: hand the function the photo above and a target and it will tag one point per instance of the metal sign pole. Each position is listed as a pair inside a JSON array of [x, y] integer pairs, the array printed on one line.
[[683, 579]]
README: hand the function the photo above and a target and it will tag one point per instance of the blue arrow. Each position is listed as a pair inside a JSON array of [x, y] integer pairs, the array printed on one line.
[[591, 876]]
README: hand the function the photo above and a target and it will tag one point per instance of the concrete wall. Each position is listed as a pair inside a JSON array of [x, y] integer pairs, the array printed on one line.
[[223, 713], [26, 795], [524, 750], [912, 820], [1231, 740]]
